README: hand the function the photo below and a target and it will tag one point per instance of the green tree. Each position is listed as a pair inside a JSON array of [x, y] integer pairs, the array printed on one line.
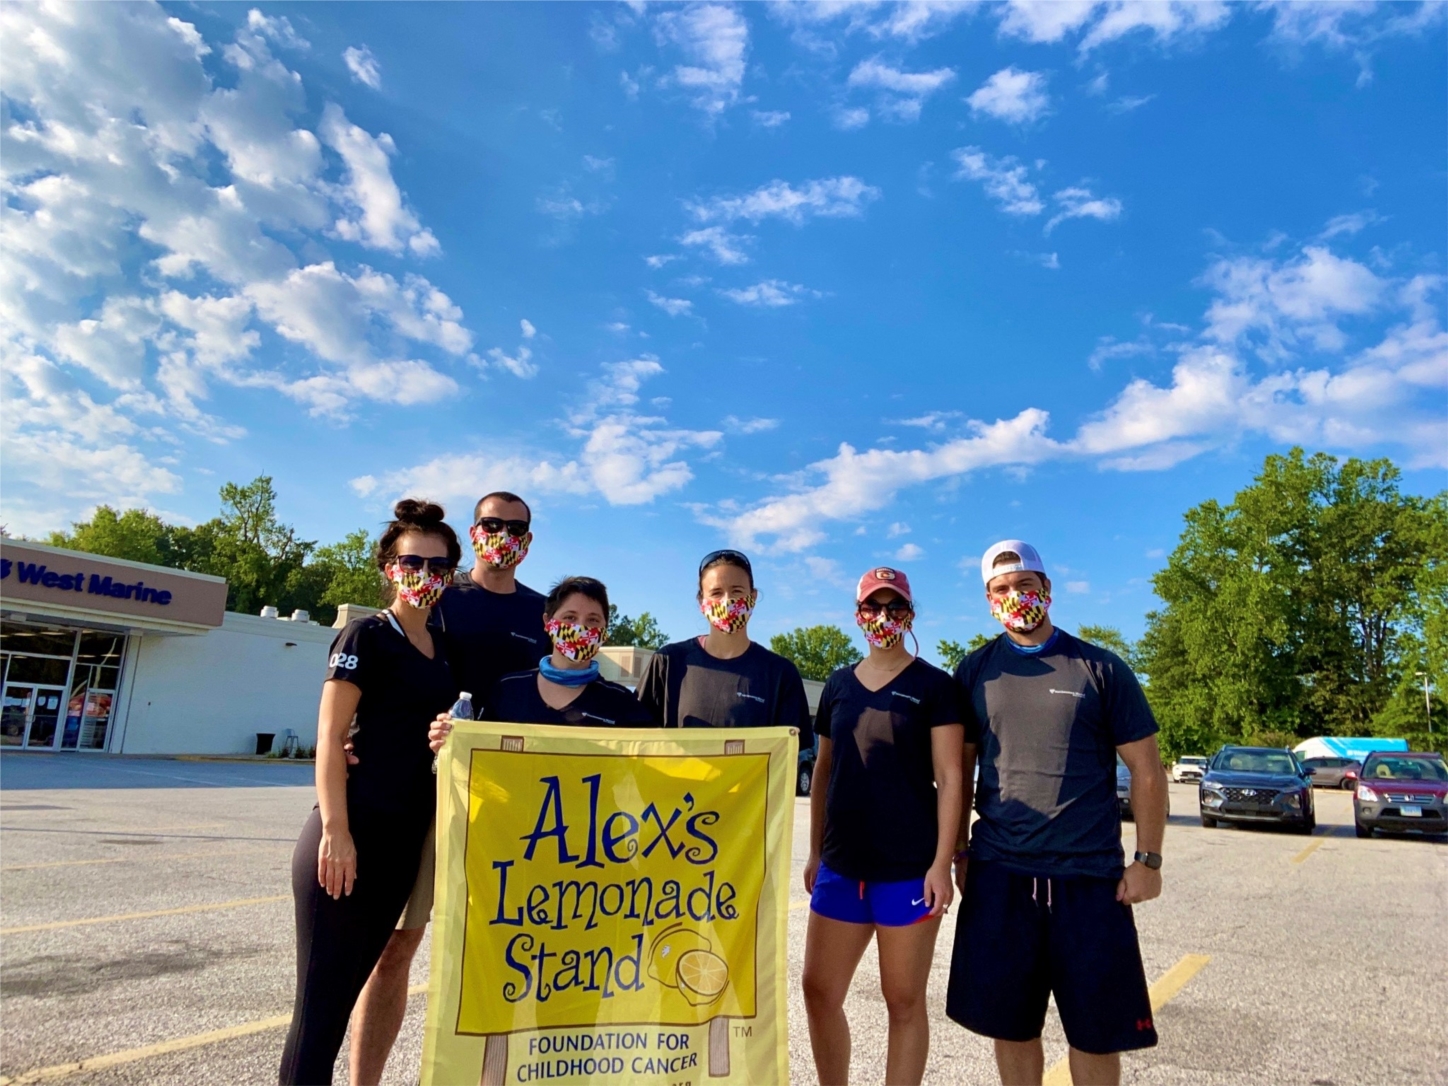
[[261, 558], [349, 572], [953, 652], [134, 534], [1109, 638], [1294, 610], [642, 632], [816, 650]]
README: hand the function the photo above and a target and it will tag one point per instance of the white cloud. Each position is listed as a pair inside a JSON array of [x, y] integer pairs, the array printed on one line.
[[526, 326], [736, 425], [847, 120], [725, 247], [674, 307], [1012, 95], [1079, 203], [1079, 588], [769, 118], [1045, 20], [598, 165], [829, 198], [1005, 180], [1351, 26], [660, 260], [901, 93], [714, 38], [770, 294], [1128, 103], [1348, 224], [934, 420], [897, 529], [363, 66], [910, 21], [120, 145], [1054, 20], [910, 552], [1388, 394]]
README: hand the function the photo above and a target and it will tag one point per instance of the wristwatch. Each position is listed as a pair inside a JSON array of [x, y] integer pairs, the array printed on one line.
[[1151, 860]]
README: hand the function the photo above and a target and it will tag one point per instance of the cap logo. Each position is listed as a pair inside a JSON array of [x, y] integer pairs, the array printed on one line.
[[883, 574]]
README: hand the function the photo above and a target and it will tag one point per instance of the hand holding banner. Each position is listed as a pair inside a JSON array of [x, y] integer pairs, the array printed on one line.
[[611, 906]]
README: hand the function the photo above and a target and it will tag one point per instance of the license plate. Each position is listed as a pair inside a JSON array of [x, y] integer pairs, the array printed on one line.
[[1411, 812]]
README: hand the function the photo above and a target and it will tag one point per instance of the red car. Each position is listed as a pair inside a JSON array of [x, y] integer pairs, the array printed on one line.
[[1402, 792]]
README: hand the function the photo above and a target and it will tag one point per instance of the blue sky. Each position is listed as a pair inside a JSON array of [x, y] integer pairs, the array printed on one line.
[[841, 284]]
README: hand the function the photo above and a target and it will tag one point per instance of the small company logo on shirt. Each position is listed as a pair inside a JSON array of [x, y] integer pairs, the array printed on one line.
[[591, 716], [907, 697], [750, 697], [522, 637], [1068, 693]]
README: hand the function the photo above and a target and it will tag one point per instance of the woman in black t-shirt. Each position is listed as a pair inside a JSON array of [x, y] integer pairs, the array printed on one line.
[[357, 857], [884, 810], [565, 687], [723, 679]]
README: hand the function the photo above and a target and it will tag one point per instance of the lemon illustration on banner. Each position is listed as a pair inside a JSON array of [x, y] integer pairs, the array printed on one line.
[[683, 959], [703, 976]]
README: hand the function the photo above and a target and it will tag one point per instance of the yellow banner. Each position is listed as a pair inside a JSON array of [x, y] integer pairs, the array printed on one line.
[[611, 906]]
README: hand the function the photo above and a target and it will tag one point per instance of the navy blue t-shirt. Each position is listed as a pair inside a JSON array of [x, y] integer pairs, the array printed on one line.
[[489, 634], [1048, 725]]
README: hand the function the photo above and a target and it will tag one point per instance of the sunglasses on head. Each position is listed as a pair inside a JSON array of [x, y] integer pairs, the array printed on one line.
[[416, 563], [734, 557], [895, 608], [493, 525]]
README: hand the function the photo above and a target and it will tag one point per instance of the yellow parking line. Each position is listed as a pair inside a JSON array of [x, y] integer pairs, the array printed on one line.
[[180, 1044], [793, 905], [150, 857], [1309, 850], [1162, 992], [63, 863], [57, 924]]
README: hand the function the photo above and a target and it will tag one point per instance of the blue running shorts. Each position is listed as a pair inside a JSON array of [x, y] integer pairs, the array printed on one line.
[[852, 901]]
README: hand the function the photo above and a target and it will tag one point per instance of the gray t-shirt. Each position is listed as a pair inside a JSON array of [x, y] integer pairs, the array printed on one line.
[[1048, 725]]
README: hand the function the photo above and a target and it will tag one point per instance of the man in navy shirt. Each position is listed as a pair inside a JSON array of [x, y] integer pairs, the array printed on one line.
[[1046, 894]]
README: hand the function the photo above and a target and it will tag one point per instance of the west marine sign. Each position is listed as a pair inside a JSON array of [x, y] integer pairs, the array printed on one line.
[[69, 584], [37, 574]]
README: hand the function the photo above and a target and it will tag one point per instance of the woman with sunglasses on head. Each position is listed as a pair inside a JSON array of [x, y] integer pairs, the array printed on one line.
[[358, 855], [723, 679], [884, 810], [565, 687]]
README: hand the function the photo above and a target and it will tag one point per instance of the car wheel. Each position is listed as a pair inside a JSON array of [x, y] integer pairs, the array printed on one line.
[[1347, 784], [806, 778], [1362, 831], [1307, 827], [1209, 822]]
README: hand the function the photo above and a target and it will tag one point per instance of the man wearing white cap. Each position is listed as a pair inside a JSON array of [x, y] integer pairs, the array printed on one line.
[[1046, 893]]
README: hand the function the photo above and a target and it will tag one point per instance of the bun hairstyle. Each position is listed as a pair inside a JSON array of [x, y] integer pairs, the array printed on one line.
[[411, 515]]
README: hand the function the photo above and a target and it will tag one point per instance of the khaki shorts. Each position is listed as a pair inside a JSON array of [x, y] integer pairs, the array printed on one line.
[[419, 905]]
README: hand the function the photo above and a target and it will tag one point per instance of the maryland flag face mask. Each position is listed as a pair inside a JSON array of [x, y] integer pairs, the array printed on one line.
[[499, 550], [419, 588], [1021, 611]]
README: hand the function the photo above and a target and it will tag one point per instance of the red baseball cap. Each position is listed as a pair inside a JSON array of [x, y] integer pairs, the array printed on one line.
[[883, 577]]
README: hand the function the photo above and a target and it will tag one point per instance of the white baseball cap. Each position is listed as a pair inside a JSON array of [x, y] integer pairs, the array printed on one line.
[[1029, 561]]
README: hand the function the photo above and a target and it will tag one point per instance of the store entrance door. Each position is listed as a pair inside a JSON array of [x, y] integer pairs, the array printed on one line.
[[30, 715]]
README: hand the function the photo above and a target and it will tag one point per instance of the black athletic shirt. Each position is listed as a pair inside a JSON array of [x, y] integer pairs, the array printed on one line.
[[880, 816], [601, 704], [402, 691], [490, 634], [1048, 725], [684, 687]]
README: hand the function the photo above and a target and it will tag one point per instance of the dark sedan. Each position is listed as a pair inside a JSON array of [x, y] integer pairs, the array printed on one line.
[[1257, 784], [1402, 792]]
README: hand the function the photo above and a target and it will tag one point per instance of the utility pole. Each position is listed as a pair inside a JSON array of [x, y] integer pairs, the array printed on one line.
[[1427, 700]]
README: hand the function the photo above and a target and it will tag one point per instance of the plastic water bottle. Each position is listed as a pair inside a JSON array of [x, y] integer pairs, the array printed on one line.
[[463, 708]]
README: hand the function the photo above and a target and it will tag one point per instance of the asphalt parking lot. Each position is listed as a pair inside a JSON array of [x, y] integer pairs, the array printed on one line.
[[145, 911]]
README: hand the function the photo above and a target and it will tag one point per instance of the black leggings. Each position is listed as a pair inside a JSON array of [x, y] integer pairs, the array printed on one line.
[[339, 940]]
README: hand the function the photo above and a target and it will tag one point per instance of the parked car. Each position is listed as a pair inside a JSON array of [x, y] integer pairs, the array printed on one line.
[[804, 771], [1123, 791], [1189, 767], [1403, 792], [1333, 772], [1257, 784]]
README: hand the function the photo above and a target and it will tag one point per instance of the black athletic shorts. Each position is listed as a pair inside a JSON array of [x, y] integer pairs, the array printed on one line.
[[1020, 939]]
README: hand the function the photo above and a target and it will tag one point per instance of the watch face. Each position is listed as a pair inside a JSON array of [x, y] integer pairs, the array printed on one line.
[[1149, 859]]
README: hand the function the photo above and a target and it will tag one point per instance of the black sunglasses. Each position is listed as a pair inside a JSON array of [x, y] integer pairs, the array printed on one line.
[[415, 563], [895, 608], [493, 525], [734, 557]]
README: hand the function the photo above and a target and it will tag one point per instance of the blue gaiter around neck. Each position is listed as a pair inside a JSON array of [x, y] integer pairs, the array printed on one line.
[[565, 677], [1034, 650]]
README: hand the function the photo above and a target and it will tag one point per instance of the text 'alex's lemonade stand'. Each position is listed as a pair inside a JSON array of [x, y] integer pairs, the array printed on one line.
[[611, 906]]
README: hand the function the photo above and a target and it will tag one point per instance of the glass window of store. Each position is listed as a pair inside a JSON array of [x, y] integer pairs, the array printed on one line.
[[59, 686]]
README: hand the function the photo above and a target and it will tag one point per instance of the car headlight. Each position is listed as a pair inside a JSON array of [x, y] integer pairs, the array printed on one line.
[[1292, 799], [1366, 794], [1211, 797]]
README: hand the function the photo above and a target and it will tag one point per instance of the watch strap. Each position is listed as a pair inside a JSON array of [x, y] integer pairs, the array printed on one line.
[[1150, 860]]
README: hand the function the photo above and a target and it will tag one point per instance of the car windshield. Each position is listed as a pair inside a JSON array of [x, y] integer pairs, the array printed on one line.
[[1406, 769], [1256, 761], [1189, 760]]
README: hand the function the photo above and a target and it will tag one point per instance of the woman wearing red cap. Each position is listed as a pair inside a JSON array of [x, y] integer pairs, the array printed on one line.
[[884, 808]]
